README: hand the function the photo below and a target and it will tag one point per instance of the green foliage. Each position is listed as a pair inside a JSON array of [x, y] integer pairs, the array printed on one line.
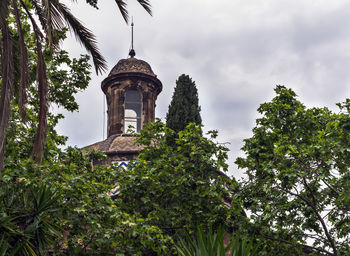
[[298, 187], [184, 107], [72, 213], [66, 82], [66, 77], [83, 219], [87, 219], [176, 188], [207, 243], [27, 218]]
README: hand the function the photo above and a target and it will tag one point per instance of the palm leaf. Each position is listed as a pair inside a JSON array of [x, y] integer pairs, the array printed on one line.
[[242, 246], [42, 227], [46, 7], [22, 247], [83, 35], [146, 5], [122, 8], [39, 13], [124, 11], [3, 246], [54, 15], [53, 21], [213, 244]]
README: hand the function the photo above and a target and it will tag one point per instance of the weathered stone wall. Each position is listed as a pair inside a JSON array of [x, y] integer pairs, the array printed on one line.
[[115, 87]]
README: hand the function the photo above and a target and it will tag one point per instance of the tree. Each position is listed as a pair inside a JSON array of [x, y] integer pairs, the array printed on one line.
[[184, 107], [62, 206], [7, 76], [54, 16], [177, 189], [298, 187], [65, 77], [28, 218]]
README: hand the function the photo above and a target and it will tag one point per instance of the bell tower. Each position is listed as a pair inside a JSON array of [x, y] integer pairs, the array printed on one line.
[[131, 90]]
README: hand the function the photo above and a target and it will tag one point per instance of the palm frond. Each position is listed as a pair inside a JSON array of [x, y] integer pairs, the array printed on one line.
[[122, 8], [35, 26], [3, 246], [48, 26], [54, 21], [146, 5], [50, 19], [38, 11], [213, 244], [24, 64], [83, 35], [42, 229]]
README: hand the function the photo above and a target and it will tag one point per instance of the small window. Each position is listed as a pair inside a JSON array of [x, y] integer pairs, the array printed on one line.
[[132, 111]]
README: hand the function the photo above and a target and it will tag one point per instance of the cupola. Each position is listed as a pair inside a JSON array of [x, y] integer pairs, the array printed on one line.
[[131, 90]]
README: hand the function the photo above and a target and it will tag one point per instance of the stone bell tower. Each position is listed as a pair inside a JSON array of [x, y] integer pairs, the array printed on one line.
[[131, 90]]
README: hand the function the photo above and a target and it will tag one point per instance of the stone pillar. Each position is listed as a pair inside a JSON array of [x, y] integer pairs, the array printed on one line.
[[116, 112]]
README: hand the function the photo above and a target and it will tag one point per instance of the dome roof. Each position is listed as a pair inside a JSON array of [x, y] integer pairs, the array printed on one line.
[[132, 65]]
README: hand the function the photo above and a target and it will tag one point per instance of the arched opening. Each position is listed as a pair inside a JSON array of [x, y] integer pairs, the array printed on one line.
[[132, 115]]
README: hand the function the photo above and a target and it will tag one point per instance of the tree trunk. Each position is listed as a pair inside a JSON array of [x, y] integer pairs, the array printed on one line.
[[41, 133], [22, 94], [7, 86]]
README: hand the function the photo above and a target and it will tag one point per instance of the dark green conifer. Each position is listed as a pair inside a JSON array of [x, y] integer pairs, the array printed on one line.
[[184, 107]]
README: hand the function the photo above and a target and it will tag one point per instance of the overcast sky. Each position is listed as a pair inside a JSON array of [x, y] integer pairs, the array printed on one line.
[[236, 51]]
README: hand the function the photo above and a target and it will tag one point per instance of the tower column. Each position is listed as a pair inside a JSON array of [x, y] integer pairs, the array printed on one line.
[[128, 76]]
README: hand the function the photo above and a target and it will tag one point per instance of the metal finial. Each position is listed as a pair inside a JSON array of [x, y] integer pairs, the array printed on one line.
[[132, 51]]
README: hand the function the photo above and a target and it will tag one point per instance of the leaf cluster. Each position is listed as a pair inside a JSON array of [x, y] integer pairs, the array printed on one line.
[[176, 188], [219, 243], [297, 162]]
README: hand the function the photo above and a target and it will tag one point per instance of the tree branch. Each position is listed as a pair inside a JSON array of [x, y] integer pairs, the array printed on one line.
[[298, 244], [35, 26], [319, 217], [330, 187]]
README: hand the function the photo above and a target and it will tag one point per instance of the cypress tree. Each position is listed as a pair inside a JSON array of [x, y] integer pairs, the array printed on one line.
[[184, 107]]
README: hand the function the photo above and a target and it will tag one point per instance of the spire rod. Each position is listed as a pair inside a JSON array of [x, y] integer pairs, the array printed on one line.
[[132, 51], [132, 33]]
